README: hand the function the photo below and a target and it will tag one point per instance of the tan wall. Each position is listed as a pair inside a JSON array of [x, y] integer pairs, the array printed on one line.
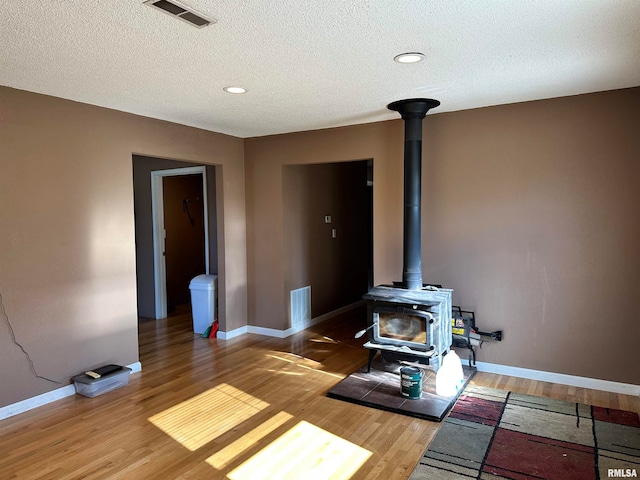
[[67, 267], [264, 160], [530, 213]]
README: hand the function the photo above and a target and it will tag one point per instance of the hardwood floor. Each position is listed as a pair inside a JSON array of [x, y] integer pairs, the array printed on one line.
[[248, 408]]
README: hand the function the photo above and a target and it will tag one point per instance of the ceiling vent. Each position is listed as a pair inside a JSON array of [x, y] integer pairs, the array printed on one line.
[[184, 13]]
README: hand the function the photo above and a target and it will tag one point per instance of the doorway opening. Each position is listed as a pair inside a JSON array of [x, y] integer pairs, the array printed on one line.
[[176, 231], [180, 234]]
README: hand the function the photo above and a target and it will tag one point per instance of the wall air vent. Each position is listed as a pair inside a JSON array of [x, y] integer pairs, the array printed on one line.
[[180, 11]]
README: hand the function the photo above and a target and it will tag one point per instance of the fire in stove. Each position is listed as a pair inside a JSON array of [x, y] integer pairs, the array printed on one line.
[[403, 326]]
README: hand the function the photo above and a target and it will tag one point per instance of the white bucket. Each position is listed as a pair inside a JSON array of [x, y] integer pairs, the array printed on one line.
[[449, 379]]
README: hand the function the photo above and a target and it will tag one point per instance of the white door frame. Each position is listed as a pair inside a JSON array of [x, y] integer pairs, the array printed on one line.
[[159, 232]]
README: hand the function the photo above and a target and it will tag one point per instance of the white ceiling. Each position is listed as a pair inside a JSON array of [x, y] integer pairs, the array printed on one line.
[[310, 64]]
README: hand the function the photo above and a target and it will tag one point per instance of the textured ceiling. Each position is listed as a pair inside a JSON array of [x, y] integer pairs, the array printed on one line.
[[310, 64]]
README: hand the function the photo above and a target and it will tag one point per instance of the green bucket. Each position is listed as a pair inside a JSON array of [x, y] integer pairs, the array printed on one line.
[[411, 382]]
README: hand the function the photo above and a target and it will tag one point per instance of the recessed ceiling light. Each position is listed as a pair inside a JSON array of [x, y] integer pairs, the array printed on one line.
[[410, 57], [235, 90]]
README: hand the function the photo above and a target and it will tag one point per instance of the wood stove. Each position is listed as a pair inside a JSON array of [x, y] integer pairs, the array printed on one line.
[[410, 325], [408, 320]]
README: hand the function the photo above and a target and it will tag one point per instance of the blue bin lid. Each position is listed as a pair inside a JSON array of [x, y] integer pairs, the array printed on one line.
[[203, 282]]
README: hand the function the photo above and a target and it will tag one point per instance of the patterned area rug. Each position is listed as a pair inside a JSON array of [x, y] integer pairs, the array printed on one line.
[[494, 434]]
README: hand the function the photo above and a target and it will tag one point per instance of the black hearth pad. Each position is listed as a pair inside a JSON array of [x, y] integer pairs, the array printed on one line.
[[381, 389]]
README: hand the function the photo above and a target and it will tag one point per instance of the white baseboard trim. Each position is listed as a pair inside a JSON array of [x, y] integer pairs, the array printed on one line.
[[231, 333], [267, 332], [561, 378], [48, 397], [135, 367], [37, 401], [273, 332]]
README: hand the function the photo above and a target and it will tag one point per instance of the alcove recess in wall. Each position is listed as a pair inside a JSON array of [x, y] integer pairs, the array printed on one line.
[[327, 232]]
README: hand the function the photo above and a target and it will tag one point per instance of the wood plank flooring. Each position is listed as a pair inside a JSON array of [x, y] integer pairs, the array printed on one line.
[[248, 408]]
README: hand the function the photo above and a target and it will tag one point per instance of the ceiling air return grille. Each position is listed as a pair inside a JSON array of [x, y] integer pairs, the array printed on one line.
[[180, 11]]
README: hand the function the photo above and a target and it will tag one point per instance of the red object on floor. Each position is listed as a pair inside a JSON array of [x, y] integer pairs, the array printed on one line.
[[214, 329]]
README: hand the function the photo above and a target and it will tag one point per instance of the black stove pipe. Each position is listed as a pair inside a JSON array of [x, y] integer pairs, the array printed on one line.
[[412, 110]]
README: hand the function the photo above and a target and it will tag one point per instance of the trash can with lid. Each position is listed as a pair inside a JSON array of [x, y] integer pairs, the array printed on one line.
[[203, 301]]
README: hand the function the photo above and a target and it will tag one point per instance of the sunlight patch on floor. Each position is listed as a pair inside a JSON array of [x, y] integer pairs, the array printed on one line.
[[323, 340], [306, 363], [335, 375], [197, 421], [225, 456], [305, 451], [297, 359], [295, 374]]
